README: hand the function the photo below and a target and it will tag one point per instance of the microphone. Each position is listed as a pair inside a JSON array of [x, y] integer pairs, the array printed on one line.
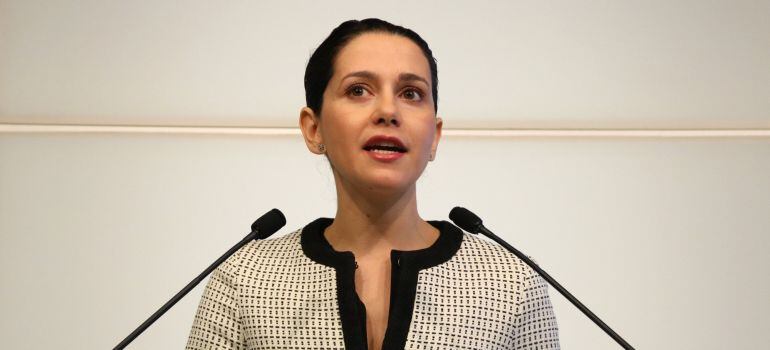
[[267, 224], [262, 228], [468, 221]]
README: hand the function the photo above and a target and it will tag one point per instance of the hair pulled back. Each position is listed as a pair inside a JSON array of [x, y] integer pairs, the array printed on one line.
[[320, 67]]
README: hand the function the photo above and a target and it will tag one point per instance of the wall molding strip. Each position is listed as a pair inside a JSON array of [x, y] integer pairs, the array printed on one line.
[[497, 133]]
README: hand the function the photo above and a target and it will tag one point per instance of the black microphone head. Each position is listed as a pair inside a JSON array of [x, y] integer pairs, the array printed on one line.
[[268, 224], [467, 220]]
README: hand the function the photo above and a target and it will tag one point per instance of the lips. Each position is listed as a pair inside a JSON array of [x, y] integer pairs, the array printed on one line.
[[385, 144]]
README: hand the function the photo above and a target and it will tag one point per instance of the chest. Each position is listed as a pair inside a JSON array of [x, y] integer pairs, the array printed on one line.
[[372, 283], [374, 309]]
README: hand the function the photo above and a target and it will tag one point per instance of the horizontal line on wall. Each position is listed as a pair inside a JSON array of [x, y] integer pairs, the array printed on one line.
[[266, 131]]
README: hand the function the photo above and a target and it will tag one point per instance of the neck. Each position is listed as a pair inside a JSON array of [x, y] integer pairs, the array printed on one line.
[[372, 224]]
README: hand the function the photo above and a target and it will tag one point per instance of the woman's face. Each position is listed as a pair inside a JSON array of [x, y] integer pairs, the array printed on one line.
[[378, 122]]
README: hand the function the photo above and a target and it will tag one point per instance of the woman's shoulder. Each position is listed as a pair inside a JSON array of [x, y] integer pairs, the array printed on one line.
[[265, 255], [479, 254], [474, 247], [274, 247]]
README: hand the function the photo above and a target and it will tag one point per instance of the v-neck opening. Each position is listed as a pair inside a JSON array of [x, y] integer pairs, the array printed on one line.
[[405, 268]]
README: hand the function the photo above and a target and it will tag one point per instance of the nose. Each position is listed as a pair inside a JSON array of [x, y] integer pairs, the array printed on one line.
[[387, 112]]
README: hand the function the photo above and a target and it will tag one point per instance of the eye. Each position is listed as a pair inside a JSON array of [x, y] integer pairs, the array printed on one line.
[[357, 91], [412, 94]]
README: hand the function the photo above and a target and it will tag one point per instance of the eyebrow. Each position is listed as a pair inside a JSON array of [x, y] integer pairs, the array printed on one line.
[[412, 77], [372, 76]]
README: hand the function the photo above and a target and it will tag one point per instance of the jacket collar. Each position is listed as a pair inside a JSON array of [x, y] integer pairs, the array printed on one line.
[[316, 247]]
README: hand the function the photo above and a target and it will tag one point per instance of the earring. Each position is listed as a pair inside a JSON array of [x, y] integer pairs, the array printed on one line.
[[321, 148], [432, 156]]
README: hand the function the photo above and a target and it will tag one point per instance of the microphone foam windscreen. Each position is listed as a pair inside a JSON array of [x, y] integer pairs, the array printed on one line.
[[269, 223], [464, 218]]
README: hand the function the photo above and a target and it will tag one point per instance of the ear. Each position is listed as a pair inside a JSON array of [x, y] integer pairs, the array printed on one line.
[[437, 138], [310, 124]]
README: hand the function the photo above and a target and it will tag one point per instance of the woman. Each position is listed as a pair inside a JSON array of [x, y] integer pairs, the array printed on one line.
[[377, 276]]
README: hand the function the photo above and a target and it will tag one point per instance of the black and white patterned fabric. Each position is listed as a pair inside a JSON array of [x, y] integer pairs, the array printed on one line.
[[296, 292]]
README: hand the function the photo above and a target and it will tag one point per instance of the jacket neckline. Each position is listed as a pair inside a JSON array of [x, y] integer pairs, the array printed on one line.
[[404, 272]]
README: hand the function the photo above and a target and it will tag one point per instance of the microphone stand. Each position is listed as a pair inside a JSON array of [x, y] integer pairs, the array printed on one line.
[[558, 287], [473, 224], [270, 220]]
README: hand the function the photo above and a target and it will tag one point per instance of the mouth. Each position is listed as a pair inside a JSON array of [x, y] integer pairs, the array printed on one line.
[[385, 145]]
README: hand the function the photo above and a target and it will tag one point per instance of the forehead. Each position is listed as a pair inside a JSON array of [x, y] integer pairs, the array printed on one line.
[[382, 53]]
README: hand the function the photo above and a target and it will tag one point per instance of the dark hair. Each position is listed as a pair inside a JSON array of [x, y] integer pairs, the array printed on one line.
[[320, 68]]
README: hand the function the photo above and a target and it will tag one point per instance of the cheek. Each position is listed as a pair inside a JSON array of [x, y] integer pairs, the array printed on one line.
[[428, 135], [340, 134]]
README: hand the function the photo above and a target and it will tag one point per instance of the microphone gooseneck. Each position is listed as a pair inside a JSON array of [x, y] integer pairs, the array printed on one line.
[[470, 222], [263, 227]]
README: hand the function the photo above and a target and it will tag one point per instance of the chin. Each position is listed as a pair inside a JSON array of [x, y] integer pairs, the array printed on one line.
[[385, 184]]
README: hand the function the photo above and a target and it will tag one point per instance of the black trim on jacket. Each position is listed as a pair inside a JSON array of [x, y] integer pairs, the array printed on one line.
[[403, 283]]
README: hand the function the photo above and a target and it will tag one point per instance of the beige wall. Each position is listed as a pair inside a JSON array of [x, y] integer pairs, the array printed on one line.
[[562, 64], [663, 235]]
